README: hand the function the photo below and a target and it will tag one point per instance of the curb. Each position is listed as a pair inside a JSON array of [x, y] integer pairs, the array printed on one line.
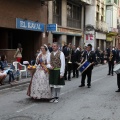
[[21, 82]]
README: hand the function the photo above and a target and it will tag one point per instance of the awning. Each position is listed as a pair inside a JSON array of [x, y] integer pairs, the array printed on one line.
[[109, 39], [112, 34]]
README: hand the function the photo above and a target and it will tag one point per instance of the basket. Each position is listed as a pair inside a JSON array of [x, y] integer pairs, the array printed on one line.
[[32, 70]]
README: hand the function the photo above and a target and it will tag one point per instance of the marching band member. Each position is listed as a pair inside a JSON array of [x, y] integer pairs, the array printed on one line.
[[68, 66], [111, 56], [88, 55], [76, 55], [118, 82]]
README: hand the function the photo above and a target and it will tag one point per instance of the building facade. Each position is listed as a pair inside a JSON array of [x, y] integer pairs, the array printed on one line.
[[111, 19], [96, 26], [22, 22], [69, 15]]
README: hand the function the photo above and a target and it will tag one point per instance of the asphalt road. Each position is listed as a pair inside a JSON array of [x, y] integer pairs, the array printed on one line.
[[100, 102]]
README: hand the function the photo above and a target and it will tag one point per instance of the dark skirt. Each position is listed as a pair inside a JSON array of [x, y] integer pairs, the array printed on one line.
[[54, 78]]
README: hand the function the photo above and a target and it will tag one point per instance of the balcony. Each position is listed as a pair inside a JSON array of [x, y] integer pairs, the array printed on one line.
[[87, 1], [112, 2], [102, 26], [115, 30]]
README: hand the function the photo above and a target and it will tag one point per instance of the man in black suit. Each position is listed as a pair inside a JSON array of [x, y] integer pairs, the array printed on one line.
[[111, 57], [118, 55], [76, 55], [68, 66], [118, 82], [50, 48], [88, 55]]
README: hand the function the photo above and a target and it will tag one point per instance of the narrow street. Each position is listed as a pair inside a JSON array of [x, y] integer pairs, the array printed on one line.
[[100, 102]]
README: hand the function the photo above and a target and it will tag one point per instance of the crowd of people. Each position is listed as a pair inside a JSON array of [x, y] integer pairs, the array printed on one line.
[[54, 65], [6, 69], [63, 65]]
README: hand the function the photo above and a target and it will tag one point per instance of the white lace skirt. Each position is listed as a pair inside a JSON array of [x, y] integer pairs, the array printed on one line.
[[40, 85]]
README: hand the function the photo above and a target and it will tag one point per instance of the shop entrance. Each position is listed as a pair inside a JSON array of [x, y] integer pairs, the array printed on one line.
[[29, 40], [97, 43], [102, 44], [56, 38], [77, 41], [69, 39]]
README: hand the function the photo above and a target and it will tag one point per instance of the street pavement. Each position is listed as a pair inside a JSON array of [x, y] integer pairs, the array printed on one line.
[[100, 102]]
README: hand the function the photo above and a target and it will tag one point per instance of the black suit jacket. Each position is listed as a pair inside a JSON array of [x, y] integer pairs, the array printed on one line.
[[76, 55], [117, 56], [113, 56], [90, 58], [50, 49], [66, 52]]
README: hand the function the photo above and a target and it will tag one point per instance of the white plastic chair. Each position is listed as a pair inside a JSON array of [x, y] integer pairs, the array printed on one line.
[[17, 67]]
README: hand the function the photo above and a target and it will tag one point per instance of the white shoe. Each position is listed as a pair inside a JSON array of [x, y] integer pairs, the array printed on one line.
[[51, 101], [56, 101]]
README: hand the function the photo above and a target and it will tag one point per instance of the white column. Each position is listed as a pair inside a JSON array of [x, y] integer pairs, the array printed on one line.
[[50, 20], [64, 20], [64, 13], [82, 28], [73, 40], [100, 44], [63, 39], [104, 44]]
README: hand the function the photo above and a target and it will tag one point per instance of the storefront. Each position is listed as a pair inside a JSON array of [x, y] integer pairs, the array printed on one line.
[[22, 23], [101, 40], [66, 35], [28, 33], [111, 39]]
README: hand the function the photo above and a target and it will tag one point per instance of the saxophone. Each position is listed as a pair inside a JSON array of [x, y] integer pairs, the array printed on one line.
[[111, 56]]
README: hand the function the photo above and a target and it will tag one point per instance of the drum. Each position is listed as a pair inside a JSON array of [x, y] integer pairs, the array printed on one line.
[[84, 66], [117, 69]]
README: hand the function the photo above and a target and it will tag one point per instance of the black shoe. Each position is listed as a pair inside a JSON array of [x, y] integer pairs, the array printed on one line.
[[112, 75], [118, 90], [69, 79], [73, 77], [108, 74], [81, 85], [65, 78], [89, 86], [76, 76]]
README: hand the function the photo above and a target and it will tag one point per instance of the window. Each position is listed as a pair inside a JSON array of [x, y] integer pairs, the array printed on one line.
[[115, 1], [102, 18], [74, 15], [57, 12], [98, 7], [108, 1], [97, 17], [69, 10], [102, 11]]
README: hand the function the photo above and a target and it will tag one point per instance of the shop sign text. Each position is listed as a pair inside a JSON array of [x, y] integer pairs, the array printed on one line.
[[29, 25]]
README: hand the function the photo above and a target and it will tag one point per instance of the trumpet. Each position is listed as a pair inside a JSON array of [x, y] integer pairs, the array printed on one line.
[[70, 52], [70, 59]]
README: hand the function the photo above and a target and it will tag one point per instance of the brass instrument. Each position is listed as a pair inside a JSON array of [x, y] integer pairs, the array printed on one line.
[[111, 56], [70, 53]]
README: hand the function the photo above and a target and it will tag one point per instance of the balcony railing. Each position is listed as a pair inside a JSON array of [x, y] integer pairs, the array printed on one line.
[[102, 26], [111, 29], [87, 1]]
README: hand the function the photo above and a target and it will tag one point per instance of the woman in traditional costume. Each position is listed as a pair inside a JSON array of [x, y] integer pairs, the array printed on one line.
[[39, 87]]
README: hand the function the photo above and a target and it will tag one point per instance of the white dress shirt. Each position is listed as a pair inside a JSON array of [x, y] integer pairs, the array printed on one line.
[[62, 58]]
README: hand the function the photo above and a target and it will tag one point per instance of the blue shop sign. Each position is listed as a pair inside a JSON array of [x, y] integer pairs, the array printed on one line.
[[51, 27], [29, 25]]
